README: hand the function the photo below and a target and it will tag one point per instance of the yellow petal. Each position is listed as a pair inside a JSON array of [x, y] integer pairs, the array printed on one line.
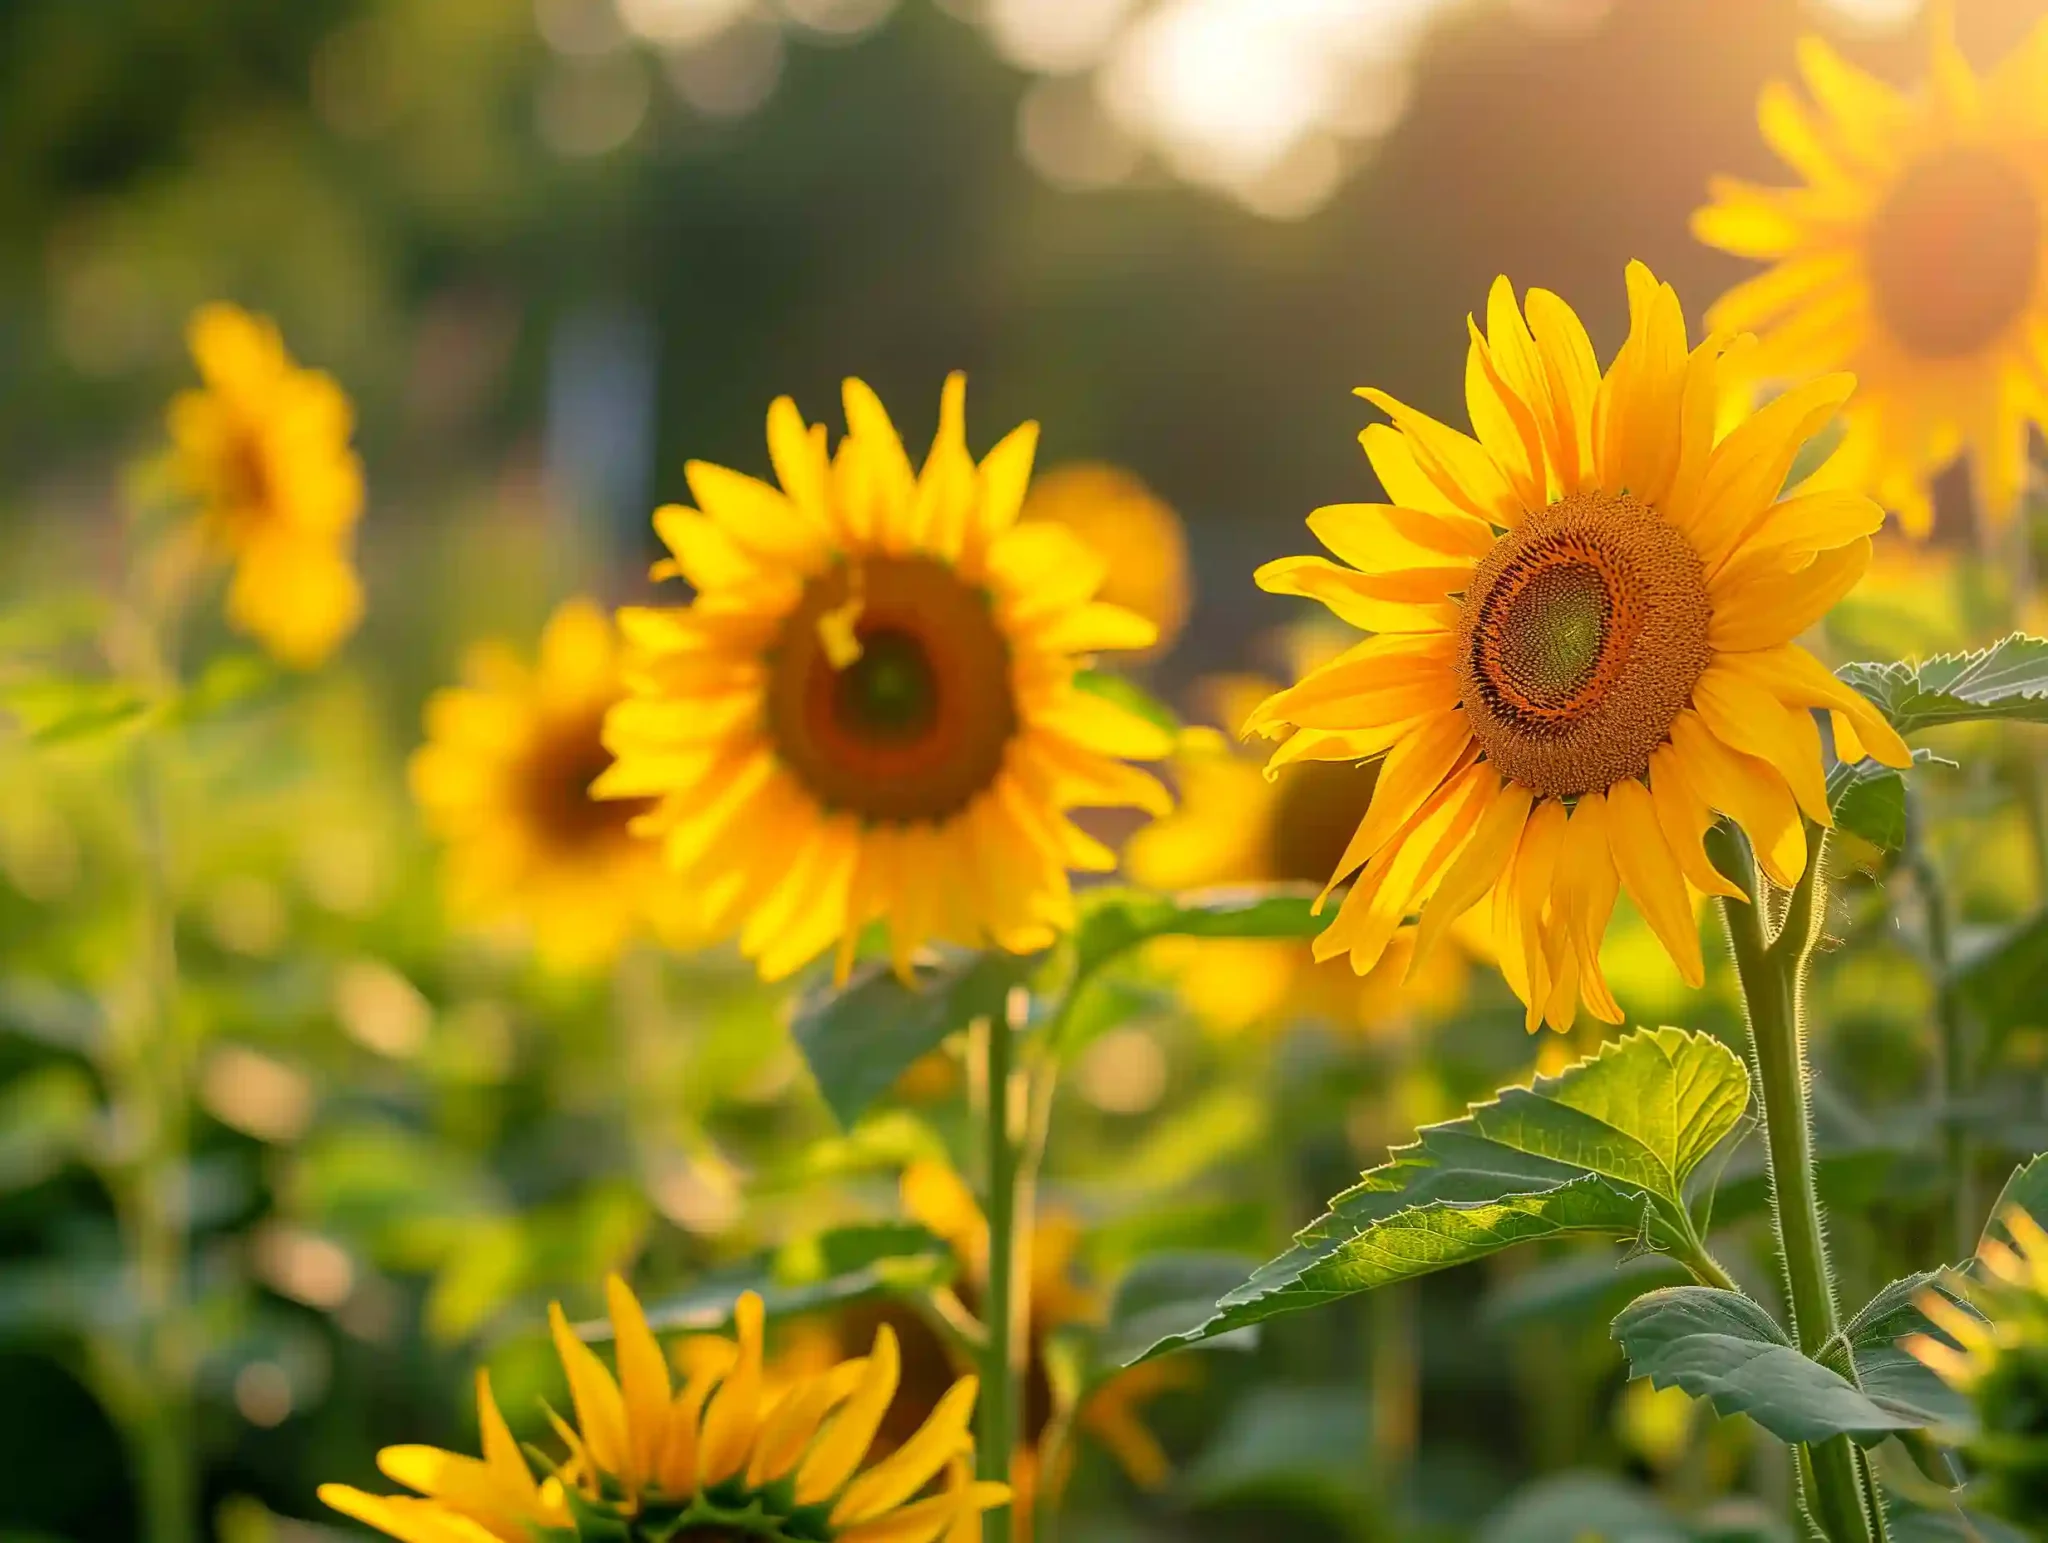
[[1768, 609], [911, 1466], [1650, 875], [1748, 718], [1456, 464], [838, 1452], [1479, 867], [1801, 680], [1749, 792], [600, 1411], [734, 1416], [643, 1379]]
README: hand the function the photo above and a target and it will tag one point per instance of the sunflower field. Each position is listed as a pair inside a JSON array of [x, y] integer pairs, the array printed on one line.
[[1024, 771]]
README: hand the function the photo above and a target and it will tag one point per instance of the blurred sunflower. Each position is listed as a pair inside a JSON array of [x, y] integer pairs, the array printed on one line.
[[263, 446], [1916, 255], [716, 1458], [870, 711], [936, 1196], [1235, 825], [1601, 588], [1999, 1361], [504, 779], [1136, 533]]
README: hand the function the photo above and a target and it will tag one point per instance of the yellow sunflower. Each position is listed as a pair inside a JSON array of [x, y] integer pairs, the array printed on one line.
[[1136, 532], [1915, 254], [716, 1457], [1581, 646], [263, 447], [1235, 825], [504, 779], [936, 1196], [870, 712]]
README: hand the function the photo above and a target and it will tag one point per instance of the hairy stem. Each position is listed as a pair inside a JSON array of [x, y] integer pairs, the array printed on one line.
[[1773, 974]]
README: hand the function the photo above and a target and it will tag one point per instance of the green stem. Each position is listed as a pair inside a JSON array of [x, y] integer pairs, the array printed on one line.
[[1773, 974], [1000, 1386], [1955, 1082]]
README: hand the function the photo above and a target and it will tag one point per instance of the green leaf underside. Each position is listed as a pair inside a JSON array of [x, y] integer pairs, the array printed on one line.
[[1602, 1149], [1115, 920], [832, 1269], [2007, 681], [1723, 1347], [860, 1038], [1868, 799]]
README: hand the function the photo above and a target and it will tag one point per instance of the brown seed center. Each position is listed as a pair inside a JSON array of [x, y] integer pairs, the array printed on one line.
[[917, 721], [565, 758], [1955, 252], [1582, 634]]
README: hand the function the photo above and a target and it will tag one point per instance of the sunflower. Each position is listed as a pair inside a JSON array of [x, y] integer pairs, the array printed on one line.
[[1999, 1361], [1234, 825], [1581, 647], [716, 1457], [1916, 255], [1136, 532], [870, 711], [263, 447], [504, 779], [935, 1195]]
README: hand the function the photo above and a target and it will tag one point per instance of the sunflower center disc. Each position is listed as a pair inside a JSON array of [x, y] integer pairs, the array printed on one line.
[[1319, 806], [1581, 636], [917, 725], [565, 759], [1955, 252]]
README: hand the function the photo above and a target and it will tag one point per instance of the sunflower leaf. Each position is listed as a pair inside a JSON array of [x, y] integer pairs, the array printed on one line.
[[1603, 1149], [1131, 697], [1868, 799], [1722, 1347], [860, 1037], [2008, 680], [1115, 920], [2026, 1190]]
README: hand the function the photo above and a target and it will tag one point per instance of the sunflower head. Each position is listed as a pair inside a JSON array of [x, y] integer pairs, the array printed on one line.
[[1580, 650], [1999, 1361], [1134, 530], [504, 780], [871, 712], [718, 1456], [1914, 252], [262, 446]]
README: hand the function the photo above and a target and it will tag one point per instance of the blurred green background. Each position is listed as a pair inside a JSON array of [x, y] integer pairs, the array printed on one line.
[[553, 248]]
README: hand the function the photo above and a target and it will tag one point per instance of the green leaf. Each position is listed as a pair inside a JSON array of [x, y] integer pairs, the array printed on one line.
[[2005, 980], [1722, 1347], [831, 1269], [46, 1119], [1113, 921], [1603, 1149], [1292, 1447], [2007, 681], [1868, 799], [1167, 1294], [860, 1038], [2026, 1190], [61, 710], [1132, 698], [1583, 1508]]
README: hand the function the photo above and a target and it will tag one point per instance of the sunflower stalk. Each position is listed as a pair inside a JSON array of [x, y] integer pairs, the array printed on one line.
[[149, 1081], [1772, 968]]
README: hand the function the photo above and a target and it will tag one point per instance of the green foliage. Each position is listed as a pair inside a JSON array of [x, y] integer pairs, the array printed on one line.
[[1721, 1346], [2005, 682], [1114, 921], [858, 1039], [1607, 1148], [1868, 799], [1584, 1508]]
